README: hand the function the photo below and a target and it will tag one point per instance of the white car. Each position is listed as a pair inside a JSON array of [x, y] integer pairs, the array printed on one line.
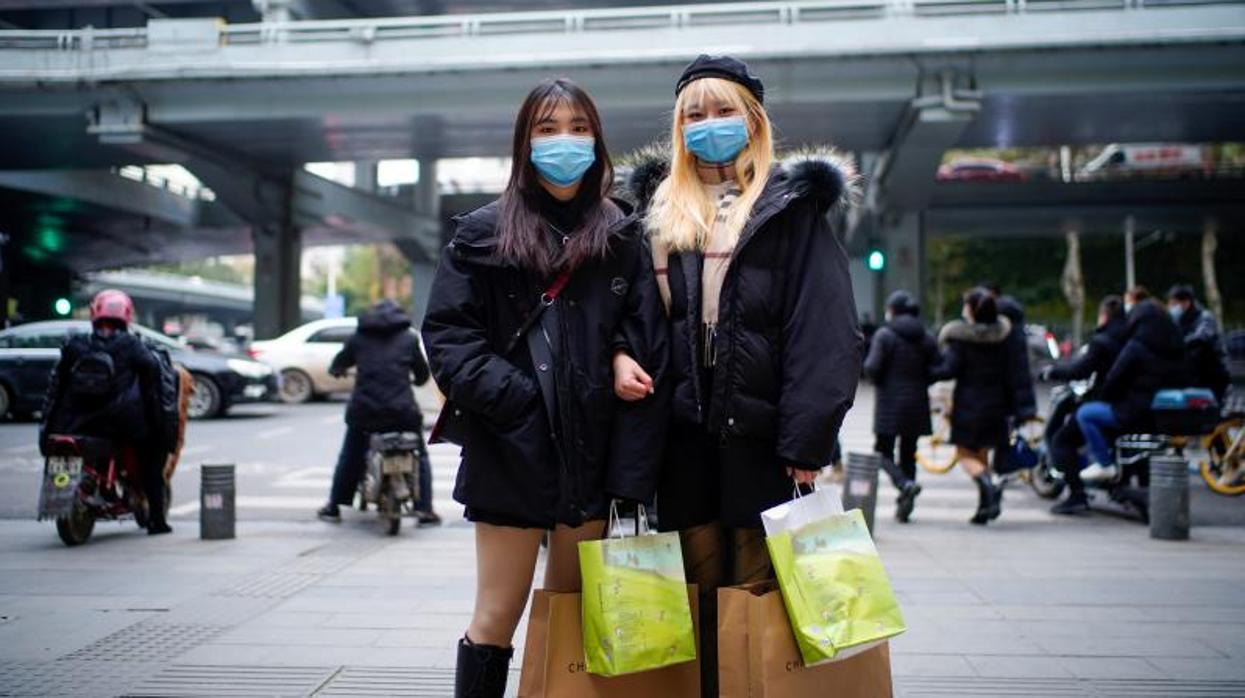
[[302, 357]]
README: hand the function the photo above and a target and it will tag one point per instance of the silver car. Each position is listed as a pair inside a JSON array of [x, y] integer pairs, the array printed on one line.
[[302, 357]]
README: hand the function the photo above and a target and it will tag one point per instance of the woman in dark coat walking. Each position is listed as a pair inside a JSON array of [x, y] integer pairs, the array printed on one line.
[[765, 349], [976, 356], [900, 359], [532, 301]]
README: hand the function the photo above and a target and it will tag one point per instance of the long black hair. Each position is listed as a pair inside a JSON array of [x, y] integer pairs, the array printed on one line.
[[522, 237], [981, 304]]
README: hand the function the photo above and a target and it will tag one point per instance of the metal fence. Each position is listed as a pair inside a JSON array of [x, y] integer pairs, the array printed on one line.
[[616, 19]]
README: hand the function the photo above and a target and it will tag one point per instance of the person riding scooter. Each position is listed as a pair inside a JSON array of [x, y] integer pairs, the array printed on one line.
[[1096, 360], [387, 354], [107, 385]]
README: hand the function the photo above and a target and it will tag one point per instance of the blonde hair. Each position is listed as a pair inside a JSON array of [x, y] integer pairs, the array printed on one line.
[[681, 213]]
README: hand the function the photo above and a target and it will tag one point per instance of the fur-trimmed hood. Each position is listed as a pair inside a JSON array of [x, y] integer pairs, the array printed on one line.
[[822, 174], [977, 332]]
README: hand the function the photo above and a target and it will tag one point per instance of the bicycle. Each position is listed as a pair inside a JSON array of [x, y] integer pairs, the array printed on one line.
[[1223, 470], [935, 453]]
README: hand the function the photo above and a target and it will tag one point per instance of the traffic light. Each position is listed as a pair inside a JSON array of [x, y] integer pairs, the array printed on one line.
[[876, 260], [63, 307]]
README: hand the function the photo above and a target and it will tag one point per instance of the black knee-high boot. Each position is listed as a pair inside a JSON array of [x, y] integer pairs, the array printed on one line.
[[482, 670], [989, 500]]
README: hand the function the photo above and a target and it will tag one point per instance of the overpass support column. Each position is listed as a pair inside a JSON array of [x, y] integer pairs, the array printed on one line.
[[903, 240], [427, 201], [278, 259]]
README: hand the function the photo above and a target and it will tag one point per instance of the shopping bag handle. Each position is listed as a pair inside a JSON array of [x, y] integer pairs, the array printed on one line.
[[797, 494], [615, 521]]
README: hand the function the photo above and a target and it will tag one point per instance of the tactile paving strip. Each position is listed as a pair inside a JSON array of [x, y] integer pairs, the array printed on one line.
[[181, 681], [920, 687], [147, 642], [70, 678]]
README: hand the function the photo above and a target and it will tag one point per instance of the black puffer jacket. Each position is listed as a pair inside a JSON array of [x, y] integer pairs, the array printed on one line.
[[130, 412], [788, 344], [977, 357], [1097, 359], [1152, 359], [899, 363], [388, 356], [1206, 360], [1022, 401], [509, 463]]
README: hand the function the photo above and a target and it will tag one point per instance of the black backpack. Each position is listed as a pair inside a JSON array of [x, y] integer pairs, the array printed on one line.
[[93, 375], [167, 394]]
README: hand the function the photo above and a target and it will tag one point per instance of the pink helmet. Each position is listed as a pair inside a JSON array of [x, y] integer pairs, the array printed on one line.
[[111, 304]]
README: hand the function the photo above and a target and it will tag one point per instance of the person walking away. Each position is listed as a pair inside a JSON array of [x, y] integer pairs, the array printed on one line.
[[108, 385], [976, 357], [537, 297], [1151, 359], [1094, 362], [1022, 399], [1206, 358], [900, 358], [765, 348], [388, 356]]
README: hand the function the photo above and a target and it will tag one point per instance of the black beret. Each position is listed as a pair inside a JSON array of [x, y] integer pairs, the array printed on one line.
[[725, 67]]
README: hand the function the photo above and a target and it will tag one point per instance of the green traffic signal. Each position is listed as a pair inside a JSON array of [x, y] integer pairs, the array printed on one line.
[[63, 307], [876, 260]]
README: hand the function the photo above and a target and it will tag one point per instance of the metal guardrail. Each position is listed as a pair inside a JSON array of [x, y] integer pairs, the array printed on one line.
[[371, 30]]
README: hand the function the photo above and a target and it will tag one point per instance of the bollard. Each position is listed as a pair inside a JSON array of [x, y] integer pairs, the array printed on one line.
[[1169, 498], [860, 486], [216, 502]]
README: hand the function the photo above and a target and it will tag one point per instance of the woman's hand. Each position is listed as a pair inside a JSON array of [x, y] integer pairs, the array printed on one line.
[[803, 477], [631, 383]]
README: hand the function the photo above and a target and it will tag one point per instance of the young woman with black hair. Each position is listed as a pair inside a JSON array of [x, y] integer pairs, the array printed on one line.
[[976, 357], [541, 301], [765, 349]]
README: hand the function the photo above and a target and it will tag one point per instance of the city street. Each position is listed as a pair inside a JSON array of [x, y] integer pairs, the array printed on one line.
[[1031, 605]]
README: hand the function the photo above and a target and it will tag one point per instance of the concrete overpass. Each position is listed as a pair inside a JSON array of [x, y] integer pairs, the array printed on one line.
[[898, 81]]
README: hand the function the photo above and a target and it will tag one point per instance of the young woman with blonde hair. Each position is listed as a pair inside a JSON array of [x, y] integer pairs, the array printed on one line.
[[765, 349]]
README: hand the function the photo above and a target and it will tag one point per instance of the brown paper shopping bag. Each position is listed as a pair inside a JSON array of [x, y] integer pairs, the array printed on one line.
[[554, 665], [758, 656]]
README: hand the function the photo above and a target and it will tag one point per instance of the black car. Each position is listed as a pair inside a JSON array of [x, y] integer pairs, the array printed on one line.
[[28, 353]]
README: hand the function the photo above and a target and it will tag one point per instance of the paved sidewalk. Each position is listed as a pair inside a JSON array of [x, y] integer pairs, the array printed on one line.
[[1031, 606]]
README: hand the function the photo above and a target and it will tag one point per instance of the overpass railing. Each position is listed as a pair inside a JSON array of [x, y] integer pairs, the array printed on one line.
[[371, 30]]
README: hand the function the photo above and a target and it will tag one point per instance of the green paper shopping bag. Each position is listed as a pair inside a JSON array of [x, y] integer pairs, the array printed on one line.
[[837, 594], [636, 615]]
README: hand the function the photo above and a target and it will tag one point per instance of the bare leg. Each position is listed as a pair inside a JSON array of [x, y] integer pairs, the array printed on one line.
[[562, 565], [505, 564]]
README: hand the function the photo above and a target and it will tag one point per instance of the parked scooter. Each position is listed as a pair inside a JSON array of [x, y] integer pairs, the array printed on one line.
[[391, 482], [1045, 479], [86, 479]]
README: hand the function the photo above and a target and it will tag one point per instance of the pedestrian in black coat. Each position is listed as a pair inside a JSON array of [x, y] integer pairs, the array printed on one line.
[[765, 347], [976, 356], [899, 362], [1094, 362], [389, 359], [542, 302], [1023, 399], [1206, 359]]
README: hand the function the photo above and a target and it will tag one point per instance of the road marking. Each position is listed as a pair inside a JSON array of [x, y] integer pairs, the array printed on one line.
[[24, 448], [331, 419], [441, 504], [273, 433], [195, 450], [317, 477]]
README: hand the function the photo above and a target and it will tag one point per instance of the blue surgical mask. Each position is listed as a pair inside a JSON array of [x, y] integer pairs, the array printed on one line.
[[563, 160], [1176, 311], [716, 141]]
